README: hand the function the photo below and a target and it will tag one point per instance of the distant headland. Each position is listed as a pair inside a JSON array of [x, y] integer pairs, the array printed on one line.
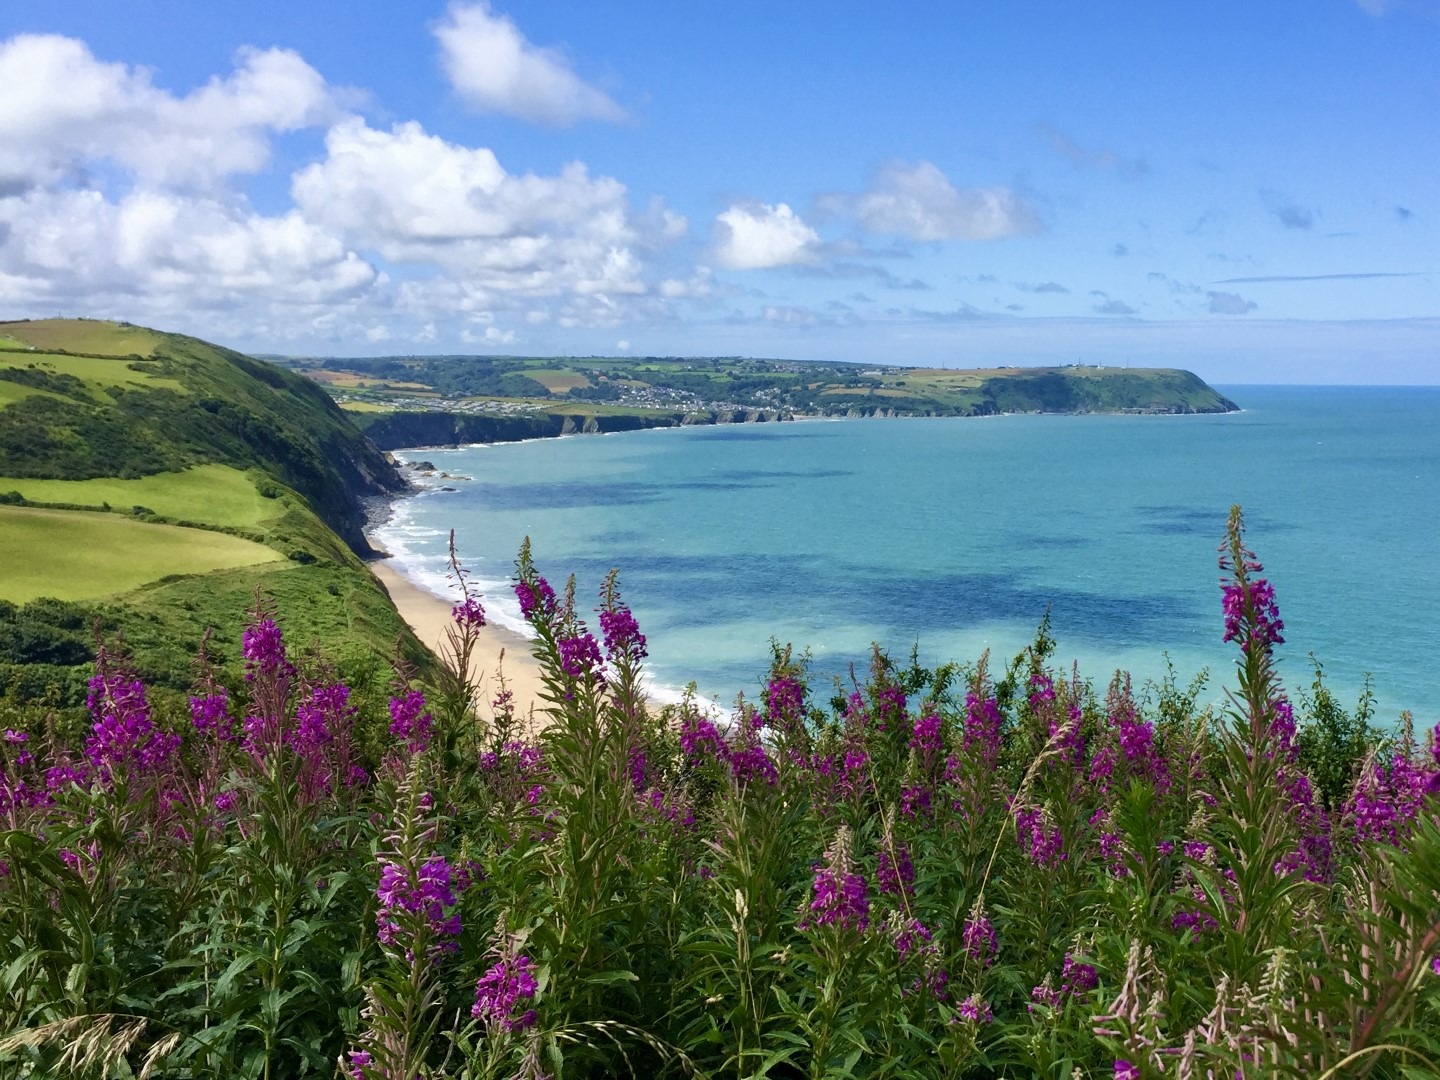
[[437, 400]]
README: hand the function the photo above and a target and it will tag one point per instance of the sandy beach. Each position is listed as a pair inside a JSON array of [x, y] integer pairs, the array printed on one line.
[[429, 616]]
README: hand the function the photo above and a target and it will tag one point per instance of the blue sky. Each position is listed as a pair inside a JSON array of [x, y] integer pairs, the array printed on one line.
[[1251, 190]]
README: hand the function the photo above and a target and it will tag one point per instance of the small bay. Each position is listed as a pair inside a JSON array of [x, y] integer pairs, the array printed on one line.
[[958, 535]]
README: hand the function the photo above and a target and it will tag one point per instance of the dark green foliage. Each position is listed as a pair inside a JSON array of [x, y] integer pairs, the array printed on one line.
[[1333, 742], [46, 632]]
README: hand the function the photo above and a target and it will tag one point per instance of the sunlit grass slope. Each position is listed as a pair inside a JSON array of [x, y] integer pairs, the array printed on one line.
[[84, 556], [93, 337], [208, 494]]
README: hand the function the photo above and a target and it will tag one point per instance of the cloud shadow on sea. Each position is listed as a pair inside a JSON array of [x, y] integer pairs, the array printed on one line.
[[899, 606], [1188, 521], [563, 495]]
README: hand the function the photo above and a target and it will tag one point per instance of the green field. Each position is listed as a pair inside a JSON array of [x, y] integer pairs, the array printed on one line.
[[556, 381], [209, 494], [12, 392], [81, 336], [93, 371], [77, 555]]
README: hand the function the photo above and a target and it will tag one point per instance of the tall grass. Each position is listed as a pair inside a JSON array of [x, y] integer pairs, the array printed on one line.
[[964, 871]]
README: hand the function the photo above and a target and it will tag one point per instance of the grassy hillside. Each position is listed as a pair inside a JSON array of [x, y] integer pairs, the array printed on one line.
[[87, 400], [156, 485]]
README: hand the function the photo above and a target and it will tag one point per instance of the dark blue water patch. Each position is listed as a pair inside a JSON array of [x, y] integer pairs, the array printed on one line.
[[1053, 541], [565, 495], [620, 537], [1188, 521], [899, 606], [714, 485], [784, 474]]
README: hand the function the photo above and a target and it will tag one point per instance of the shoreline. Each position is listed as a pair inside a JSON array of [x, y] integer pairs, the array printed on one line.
[[794, 418], [497, 649]]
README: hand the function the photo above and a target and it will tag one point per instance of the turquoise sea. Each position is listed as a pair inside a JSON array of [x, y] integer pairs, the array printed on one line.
[[958, 534]]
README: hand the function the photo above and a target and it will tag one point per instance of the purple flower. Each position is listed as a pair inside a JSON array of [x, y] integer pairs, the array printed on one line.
[[1124, 1070], [784, 704], [982, 726], [468, 614], [123, 734], [502, 990], [1043, 842], [889, 705], [623, 639], [421, 897], [751, 762], [1074, 979], [841, 899], [580, 656], [211, 715], [1387, 799], [315, 720], [1077, 978], [915, 801], [639, 770], [410, 721], [979, 938], [1263, 613], [264, 651], [359, 1062], [925, 737], [536, 601], [700, 738], [12, 736], [976, 1010], [897, 874], [913, 938]]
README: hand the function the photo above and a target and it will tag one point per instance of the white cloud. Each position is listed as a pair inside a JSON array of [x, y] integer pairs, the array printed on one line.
[[920, 203], [63, 109], [756, 236], [168, 251], [495, 69], [416, 198]]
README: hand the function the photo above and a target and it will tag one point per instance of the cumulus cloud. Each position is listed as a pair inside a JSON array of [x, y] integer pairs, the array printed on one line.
[[183, 250], [63, 108], [416, 198], [118, 196], [494, 69], [1043, 287], [757, 236], [1229, 303], [917, 201]]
